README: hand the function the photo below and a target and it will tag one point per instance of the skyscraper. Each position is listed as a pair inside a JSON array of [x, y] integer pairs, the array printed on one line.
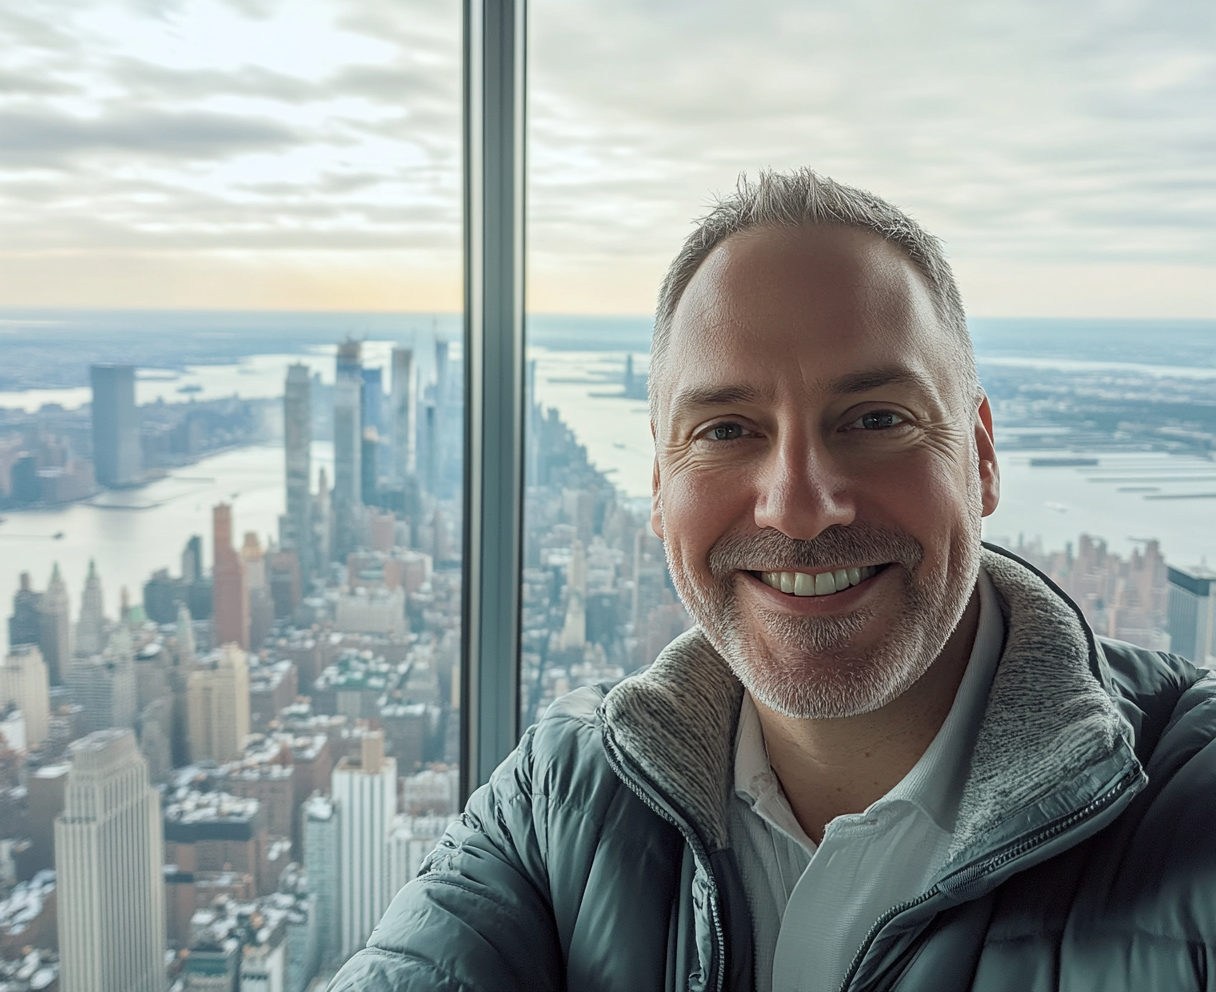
[[105, 684], [323, 518], [320, 822], [348, 450], [373, 398], [185, 636], [403, 405], [23, 680], [218, 705], [229, 596], [365, 793], [55, 627], [296, 532], [25, 625], [1192, 613], [90, 628], [115, 425], [109, 853]]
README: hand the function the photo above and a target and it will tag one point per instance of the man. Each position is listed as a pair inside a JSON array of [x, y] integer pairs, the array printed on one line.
[[888, 757]]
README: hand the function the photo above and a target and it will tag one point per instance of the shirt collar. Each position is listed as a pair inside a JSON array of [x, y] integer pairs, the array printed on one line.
[[935, 782]]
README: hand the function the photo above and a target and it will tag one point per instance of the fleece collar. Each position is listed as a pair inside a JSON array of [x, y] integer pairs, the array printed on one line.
[[1049, 721]]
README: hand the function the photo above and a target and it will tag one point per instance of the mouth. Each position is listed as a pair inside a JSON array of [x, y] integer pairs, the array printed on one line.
[[807, 584]]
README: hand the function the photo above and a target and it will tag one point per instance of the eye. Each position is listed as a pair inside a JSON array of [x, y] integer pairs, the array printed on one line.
[[877, 420], [725, 432]]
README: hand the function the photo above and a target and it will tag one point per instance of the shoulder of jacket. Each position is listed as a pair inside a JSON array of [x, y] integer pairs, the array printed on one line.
[[562, 755]]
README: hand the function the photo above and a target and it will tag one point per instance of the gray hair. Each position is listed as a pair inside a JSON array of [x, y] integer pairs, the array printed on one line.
[[798, 198]]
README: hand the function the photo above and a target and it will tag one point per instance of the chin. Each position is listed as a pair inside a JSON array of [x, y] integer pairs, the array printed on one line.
[[824, 682]]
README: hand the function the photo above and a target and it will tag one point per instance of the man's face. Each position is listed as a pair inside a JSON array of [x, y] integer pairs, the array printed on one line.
[[821, 468]]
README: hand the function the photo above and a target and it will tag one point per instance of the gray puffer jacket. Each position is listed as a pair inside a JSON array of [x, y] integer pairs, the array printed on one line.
[[597, 859]]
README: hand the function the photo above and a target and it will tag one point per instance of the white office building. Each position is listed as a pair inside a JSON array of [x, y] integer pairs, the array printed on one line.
[[109, 854], [365, 794]]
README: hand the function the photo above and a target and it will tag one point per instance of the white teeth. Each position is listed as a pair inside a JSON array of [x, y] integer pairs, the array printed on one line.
[[819, 583]]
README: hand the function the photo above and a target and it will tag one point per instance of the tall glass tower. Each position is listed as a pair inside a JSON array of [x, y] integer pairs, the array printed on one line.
[[297, 533], [116, 458]]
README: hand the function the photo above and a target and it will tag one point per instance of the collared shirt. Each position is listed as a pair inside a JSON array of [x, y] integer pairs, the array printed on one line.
[[813, 905]]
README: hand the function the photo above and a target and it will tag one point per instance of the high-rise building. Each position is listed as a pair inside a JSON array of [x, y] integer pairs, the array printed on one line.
[[218, 703], [116, 459], [55, 627], [25, 625], [1192, 613], [323, 519], [229, 594], [373, 398], [192, 559], [296, 528], [257, 584], [46, 791], [91, 627], [105, 685], [403, 405], [23, 680], [185, 636], [365, 793], [320, 821], [348, 449], [109, 856]]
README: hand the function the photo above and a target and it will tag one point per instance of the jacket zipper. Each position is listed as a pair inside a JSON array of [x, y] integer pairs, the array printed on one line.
[[972, 873], [643, 791]]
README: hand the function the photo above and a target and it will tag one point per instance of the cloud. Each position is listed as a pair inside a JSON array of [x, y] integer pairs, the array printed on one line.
[[47, 139], [1028, 129], [143, 80], [1031, 132]]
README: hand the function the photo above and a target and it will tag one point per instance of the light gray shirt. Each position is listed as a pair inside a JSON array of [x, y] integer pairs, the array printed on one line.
[[813, 905]]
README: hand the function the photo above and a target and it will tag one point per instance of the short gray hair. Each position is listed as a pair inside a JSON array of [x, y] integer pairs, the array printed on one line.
[[798, 198]]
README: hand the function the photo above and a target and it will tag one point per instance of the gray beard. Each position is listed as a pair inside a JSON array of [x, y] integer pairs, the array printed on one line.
[[809, 669]]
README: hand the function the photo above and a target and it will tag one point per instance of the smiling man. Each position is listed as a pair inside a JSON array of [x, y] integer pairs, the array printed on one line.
[[887, 757]]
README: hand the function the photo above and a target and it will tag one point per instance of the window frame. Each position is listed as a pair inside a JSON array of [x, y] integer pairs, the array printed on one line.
[[495, 34]]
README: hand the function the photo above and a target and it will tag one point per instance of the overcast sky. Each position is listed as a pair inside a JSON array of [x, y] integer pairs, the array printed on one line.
[[304, 154]]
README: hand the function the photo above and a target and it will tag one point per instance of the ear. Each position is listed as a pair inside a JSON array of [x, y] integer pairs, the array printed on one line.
[[990, 473], [656, 498]]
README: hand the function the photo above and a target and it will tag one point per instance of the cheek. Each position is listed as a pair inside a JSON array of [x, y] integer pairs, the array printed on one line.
[[697, 511]]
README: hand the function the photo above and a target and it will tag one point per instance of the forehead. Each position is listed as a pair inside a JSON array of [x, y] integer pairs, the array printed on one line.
[[815, 302]]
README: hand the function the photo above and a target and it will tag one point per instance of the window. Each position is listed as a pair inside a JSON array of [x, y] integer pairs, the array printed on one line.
[[1053, 152], [232, 270]]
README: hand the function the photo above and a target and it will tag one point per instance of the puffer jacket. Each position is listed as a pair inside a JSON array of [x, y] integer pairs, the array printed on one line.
[[597, 857]]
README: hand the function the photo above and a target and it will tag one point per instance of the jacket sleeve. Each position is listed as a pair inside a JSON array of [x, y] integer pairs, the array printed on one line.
[[478, 917]]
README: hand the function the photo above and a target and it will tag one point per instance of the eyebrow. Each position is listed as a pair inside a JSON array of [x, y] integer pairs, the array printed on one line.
[[845, 385], [864, 381], [716, 396]]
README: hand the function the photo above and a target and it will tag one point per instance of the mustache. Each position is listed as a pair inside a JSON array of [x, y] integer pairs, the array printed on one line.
[[836, 547]]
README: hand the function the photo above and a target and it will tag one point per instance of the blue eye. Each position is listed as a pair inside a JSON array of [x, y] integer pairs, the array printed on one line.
[[877, 420], [725, 432]]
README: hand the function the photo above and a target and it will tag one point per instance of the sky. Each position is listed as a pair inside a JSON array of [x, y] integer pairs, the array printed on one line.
[[305, 154]]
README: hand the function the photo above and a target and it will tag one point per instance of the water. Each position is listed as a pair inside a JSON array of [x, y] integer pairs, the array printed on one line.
[[130, 543]]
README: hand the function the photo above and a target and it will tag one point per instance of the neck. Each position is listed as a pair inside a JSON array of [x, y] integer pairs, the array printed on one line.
[[830, 768]]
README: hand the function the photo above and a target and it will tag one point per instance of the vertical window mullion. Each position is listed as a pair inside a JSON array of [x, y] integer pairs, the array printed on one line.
[[494, 381]]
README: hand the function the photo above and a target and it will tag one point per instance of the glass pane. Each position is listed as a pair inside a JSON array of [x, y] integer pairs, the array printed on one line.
[[231, 419], [1054, 152]]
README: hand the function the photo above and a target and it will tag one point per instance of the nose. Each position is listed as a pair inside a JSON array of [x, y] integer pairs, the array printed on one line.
[[801, 492]]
